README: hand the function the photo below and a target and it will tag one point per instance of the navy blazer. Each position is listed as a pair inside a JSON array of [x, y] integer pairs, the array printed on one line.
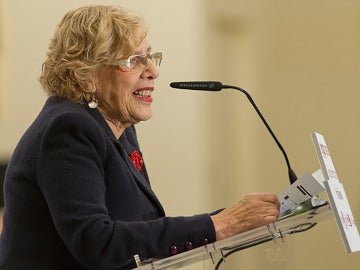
[[74, 200]]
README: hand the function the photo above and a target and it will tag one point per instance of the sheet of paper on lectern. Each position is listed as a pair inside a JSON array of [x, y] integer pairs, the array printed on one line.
[[303, 189]]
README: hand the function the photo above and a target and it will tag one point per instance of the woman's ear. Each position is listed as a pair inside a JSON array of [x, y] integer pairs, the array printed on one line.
[[87, 86]]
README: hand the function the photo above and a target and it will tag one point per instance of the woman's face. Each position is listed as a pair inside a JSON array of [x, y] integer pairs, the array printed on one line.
[[125, 97]]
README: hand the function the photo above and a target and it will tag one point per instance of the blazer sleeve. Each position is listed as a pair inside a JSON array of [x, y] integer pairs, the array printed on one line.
[[71, 175]]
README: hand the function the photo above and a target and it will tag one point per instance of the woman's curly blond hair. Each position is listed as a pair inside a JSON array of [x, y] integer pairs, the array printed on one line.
[[87, 39]]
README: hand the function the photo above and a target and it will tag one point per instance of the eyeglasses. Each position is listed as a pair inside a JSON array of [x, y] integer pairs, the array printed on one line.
[[139, 59]]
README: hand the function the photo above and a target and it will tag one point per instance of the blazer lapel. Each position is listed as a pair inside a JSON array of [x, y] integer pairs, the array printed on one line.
[[121, 145], [125, 148]]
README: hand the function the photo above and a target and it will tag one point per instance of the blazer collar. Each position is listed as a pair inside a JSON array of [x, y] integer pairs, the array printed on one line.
[[125, 148]]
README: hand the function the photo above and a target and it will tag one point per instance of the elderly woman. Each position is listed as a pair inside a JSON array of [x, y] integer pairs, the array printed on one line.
[[77, 194]]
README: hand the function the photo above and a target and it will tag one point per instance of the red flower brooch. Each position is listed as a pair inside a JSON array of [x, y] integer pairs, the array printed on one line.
[[136, 159]]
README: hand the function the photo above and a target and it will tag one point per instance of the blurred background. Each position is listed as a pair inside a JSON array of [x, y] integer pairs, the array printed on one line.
[[299, 60]]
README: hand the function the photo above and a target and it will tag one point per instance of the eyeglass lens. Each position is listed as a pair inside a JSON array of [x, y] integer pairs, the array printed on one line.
[[137, 59]]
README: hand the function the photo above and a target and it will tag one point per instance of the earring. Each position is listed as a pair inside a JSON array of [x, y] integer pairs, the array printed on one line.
[[94, 102]]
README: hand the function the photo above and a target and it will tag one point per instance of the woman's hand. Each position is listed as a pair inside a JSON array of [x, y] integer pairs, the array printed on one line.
[[254, 210]]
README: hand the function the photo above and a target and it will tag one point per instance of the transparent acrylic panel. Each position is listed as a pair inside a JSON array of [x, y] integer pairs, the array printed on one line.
[[217, 251]]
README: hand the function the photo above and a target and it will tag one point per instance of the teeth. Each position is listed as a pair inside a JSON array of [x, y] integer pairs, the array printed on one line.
[[143, 93]]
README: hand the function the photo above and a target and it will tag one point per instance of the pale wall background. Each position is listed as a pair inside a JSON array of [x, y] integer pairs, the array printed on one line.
[[300, 61]]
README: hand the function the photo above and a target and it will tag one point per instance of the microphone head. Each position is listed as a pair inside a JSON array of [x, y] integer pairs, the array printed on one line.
[[198, 85]]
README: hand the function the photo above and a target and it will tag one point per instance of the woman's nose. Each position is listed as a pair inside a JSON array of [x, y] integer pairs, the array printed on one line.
[[151, 70]]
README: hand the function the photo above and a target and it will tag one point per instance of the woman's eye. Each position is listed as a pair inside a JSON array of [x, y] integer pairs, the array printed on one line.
[[134, 60]]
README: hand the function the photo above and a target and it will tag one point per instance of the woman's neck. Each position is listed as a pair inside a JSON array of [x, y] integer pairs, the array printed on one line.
[[116, 127]]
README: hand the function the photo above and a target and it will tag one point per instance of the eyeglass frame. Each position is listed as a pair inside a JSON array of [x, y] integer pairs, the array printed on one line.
[[127, 62]]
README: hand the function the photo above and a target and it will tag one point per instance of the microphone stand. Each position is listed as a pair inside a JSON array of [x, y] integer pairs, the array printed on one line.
[[291, 173]]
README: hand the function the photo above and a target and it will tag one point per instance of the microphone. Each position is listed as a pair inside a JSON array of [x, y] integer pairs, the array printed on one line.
[[217, 86], [205, 86]]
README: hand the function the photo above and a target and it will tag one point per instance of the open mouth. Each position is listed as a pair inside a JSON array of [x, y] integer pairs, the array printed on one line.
[[143, 93]]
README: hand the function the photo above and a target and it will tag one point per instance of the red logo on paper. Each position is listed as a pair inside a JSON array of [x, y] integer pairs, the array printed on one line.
[[324, 150]]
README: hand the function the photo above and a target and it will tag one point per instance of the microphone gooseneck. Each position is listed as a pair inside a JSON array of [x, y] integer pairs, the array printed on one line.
[[217, 86]]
